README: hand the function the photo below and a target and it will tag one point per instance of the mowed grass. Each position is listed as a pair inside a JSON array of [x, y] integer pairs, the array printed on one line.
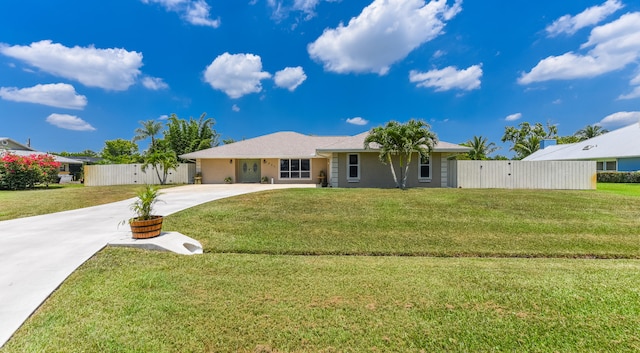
[[57, 198], [418, 222], [512, 270], [134, 301]]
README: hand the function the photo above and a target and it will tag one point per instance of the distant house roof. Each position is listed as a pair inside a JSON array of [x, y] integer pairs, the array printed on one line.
[[55, 157], [7, 143], [11, 146], [620, 143], [295, 145]]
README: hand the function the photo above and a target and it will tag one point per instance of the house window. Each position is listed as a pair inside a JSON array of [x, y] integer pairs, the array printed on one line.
[[606, 166], [295, 169], [353, 167], [424, 168]]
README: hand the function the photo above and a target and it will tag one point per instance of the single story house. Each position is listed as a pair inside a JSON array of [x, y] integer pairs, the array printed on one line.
[[68, 166], [617, 150], [337, 161]]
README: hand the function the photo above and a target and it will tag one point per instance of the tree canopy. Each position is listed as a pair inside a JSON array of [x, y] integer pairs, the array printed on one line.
[[120, 151], [526, 138], [400, 142], [481, 148], [184, 136]]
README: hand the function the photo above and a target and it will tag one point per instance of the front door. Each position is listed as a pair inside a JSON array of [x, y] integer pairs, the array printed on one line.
[[249, 171]]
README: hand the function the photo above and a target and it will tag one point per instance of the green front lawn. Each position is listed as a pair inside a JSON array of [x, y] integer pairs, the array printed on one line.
[[433, 222], [57, 198], [253, 291], [135, 301]]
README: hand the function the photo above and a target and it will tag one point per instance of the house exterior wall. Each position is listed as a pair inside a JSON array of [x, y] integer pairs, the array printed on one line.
[[629, 164], [214, 171], [375, 174]]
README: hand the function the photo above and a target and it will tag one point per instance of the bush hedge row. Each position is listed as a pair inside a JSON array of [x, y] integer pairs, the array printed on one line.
[[619, 177]]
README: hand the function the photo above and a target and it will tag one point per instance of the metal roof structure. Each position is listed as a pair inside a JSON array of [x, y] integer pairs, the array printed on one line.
[[620, 143]]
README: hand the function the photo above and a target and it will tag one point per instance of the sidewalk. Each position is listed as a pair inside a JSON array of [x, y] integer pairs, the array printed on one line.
[[38, 253]]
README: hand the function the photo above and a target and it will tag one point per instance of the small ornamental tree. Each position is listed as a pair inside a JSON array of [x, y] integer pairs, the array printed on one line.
[[22, 172], [400, 142]]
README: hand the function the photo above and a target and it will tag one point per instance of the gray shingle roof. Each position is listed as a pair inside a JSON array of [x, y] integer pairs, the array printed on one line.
[[289, 144], [620, 143]]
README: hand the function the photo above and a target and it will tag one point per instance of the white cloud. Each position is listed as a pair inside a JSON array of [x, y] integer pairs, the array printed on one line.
[[237, 74], [235, 108], [449, 78], [614, 46], [59, 95], [290, 78], [357, 121], [154, 83], [385, 32], [196, 12], [69, 122], [513, 117], [589, 17], [112, 69], [635, 93], [282, 8], [620, 119]]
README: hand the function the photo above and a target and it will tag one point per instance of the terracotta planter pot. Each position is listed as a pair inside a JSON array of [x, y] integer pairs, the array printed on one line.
[[146, 229]]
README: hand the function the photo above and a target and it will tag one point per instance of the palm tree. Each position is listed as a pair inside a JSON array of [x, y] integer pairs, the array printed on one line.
[[528, 146], [590, 131], [149, 129], [401, 140], [480, 148]]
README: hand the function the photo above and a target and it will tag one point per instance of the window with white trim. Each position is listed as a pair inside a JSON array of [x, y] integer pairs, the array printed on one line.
[[424, 168], [353, 167], [606, 166], [295, 169]]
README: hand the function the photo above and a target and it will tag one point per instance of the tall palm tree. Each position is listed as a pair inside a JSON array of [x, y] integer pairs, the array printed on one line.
[[401, 141], [590, 131], [480, 147], [149, 129]]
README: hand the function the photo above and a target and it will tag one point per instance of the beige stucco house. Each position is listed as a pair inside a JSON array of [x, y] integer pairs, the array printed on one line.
[[337, 161]]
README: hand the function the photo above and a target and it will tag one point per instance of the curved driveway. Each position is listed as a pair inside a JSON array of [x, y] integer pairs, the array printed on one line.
[[38, 253]]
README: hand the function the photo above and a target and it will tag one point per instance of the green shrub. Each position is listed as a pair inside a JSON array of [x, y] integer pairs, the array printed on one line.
[[19, 172], [619, 177]]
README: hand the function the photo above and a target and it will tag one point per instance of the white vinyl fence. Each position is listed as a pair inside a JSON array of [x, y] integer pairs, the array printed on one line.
[[127, 174], [570, 175]]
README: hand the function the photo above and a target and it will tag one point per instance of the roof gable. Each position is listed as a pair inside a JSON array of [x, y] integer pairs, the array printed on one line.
[[9, 144]]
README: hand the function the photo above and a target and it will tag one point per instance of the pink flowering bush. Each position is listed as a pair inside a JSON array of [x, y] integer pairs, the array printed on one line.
[[19, 172]]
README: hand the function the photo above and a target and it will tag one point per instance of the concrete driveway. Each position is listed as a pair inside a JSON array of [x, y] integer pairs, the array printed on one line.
[[38, 253]]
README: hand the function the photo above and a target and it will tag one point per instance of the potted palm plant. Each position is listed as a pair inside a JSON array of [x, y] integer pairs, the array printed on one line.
[[145, 225]]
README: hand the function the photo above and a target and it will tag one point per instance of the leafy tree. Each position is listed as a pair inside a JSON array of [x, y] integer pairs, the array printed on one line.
[[120, 151], [401, 141], [85, 153], [525, 139], [149, 129], [162, 158], [567, 139], [481, 148], [189, 136], [228, 141], [590, 131]]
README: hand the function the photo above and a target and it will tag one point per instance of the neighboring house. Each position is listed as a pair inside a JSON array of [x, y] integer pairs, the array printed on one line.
[[290, 157], [617, 150], [67, 165]]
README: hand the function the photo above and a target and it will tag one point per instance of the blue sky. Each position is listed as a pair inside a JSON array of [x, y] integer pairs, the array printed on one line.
[[74, 73]]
